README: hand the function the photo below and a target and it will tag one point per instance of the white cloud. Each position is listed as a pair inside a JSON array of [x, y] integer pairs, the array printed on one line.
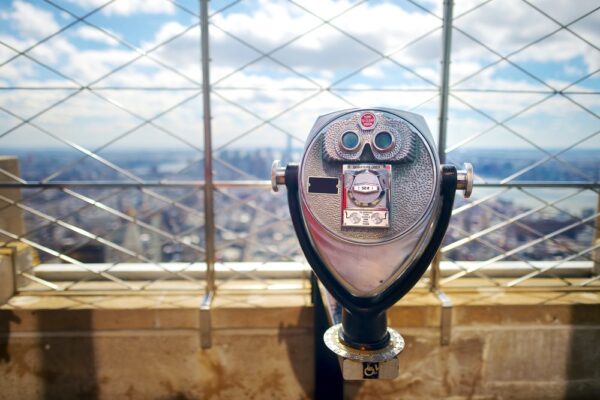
[[86, 66], [129, 7], [94, 35], [573, 71], [507, 26], [386, 28], [324, 55], [373, 72], [324, 48], [30, 22], [58, 49]]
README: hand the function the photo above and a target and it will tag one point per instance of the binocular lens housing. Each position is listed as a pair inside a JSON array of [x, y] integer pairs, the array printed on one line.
[[383, 141], [350, 141]]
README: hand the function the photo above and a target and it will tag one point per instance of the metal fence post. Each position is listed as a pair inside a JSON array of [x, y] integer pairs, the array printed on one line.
[[446, 304], [209, 216], [443, 116], [445, 80]]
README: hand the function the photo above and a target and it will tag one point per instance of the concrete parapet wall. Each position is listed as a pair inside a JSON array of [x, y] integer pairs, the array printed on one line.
[[497, 352]]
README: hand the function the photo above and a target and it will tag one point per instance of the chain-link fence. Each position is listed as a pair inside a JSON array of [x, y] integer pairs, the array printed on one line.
[[124, 155]]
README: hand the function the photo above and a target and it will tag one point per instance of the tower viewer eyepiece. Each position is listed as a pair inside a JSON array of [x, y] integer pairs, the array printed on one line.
[[370, 204]]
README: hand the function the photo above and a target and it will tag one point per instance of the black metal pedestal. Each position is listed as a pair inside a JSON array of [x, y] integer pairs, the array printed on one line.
[[329, 384]]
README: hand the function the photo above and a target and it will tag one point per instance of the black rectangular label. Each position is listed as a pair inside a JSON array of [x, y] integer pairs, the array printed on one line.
[[317, 184]]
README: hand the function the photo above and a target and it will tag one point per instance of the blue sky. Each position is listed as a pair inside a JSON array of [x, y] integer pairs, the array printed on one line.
[[362, 57]]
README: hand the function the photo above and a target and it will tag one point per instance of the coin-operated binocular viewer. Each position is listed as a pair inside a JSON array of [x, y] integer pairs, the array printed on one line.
[[370, 204]]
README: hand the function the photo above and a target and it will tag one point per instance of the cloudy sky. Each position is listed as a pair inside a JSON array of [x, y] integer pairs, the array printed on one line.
[[277, 65]]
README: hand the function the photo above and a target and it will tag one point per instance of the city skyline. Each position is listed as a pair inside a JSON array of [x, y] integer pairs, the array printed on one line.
[[253, 224]]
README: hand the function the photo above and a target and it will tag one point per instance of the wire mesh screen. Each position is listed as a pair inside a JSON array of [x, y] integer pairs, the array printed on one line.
[[278, 66], [532, 93], [95, 91], [101, 101]]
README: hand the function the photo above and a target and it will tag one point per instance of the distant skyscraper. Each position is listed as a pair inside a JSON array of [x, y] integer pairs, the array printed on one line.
[[155, 247], [132, 240]]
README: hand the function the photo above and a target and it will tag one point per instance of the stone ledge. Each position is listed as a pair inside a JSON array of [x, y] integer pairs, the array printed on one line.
[[515, 350], [416, 311]]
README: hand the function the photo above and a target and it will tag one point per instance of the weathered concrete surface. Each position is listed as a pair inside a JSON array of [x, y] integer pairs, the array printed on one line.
[[497, 352], [498, 363]]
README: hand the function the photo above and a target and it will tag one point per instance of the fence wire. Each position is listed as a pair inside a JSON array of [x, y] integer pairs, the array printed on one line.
[[109, 134]]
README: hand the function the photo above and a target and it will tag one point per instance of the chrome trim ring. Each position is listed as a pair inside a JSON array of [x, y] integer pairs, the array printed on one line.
[[350, 149], [333, 342], [383, 149]]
